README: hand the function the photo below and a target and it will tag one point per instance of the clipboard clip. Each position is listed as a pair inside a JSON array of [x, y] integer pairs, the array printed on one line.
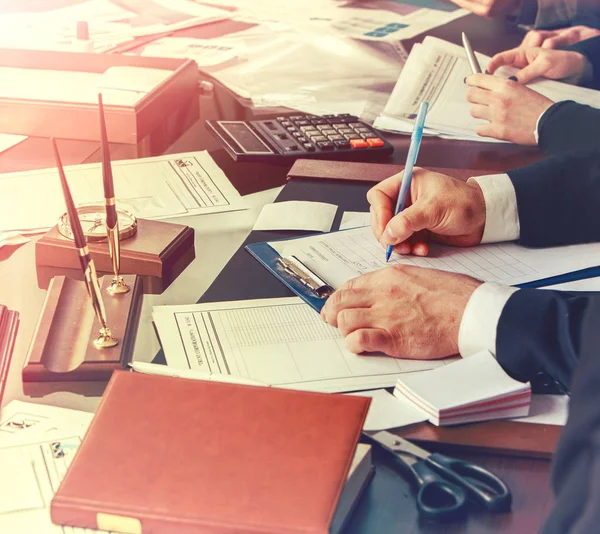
[[305, 276]]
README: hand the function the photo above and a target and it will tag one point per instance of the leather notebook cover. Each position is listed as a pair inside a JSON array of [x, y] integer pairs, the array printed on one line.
[[364, 172], [169, 455]]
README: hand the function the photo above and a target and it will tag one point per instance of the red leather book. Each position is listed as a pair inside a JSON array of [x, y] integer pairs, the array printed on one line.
[[170, 455]]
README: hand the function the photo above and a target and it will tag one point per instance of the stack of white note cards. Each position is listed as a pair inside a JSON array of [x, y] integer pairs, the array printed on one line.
[[472, 389]]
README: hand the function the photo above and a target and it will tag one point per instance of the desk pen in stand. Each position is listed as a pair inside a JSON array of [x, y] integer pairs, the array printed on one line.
[[105, 338], [118, 285]]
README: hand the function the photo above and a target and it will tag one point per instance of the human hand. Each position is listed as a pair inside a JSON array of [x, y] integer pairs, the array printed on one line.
[[558, 38], [539, 62], [511, 109], [439, 208], [402, 311], [489, 8]]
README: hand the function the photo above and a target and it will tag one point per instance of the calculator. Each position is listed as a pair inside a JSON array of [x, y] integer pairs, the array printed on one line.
[[300, 136]]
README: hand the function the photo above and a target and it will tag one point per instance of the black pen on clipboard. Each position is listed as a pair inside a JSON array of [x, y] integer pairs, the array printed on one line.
[[473, 63]]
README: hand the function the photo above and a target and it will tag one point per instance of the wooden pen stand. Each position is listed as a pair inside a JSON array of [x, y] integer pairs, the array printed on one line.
[[158, 253], [62, 356]]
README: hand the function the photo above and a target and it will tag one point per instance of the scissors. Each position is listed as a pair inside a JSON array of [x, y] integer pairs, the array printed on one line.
[[445, 484]]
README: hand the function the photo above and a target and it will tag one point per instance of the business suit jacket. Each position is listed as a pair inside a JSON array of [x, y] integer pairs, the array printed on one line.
[[568, 126], [559, 332]]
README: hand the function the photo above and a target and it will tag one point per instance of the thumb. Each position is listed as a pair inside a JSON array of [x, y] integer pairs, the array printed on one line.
[[406, 223]]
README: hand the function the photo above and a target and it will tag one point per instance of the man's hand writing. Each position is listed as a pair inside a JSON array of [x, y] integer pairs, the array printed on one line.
[[439, 208]]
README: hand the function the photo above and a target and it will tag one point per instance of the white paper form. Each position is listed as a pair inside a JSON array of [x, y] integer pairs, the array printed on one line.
[[26, 422], [282, 342], [30, 477], [150, 188], [297, 215], [387, 411], [355, 219], [340, 256], [435, 71]]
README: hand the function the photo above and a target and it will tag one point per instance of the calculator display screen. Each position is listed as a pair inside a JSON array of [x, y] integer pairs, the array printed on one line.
[[249, 142]]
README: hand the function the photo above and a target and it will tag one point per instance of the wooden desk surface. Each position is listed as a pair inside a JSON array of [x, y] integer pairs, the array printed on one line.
[[388, 505]]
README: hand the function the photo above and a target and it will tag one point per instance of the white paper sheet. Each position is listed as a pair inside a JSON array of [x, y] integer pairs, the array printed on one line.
[[26, 422], [339, 256], [8, 141], [547, 410], [150, 188], [282, 342], [387, 411], [297, 215], [435, 71], [30, 477], [355, 219]]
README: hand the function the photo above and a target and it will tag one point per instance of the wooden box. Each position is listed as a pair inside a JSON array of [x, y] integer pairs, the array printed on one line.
[[157, 253], [169, 109]]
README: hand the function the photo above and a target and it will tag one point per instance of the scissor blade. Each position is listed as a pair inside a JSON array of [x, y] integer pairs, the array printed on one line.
[[396, 444]]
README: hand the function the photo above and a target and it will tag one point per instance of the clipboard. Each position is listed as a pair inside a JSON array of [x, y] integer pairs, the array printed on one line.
[[313, 290], [295, 275]]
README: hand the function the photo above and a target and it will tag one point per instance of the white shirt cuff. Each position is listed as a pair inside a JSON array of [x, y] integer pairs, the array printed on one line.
[[479, 322], [501, 214], [536, 133]]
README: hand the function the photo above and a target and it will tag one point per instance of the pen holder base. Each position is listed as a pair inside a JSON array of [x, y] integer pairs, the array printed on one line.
[[63, 355], [158, 253]]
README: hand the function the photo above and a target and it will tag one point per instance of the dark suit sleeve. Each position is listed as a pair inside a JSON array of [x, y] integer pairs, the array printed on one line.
[[590, 48], [576, 469], [558, 200], [567, 127], [541, 331]]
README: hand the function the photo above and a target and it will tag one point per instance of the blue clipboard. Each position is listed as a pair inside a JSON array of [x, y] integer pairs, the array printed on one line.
[[269, 257]]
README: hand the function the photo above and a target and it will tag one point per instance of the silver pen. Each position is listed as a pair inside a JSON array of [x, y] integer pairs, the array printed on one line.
[[473, 63], [192, 374]]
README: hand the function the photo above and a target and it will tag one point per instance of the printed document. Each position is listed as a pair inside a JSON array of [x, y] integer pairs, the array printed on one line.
[[435, 71], [282, 342], [340, 256], [37, 444], [151, 188]]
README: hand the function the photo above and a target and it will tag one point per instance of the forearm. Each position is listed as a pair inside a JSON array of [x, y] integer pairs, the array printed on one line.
[[540, 331], [567, 126], [558, 199]]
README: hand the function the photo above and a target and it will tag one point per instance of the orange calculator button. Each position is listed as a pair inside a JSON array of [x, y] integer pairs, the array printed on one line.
[[358, 143], [375, 141]]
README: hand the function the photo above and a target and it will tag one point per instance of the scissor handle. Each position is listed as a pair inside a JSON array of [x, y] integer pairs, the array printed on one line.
[[438, 499], [489, 490]]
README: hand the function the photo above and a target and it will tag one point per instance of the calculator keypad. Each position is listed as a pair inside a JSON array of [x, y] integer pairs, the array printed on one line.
[[325, 133]]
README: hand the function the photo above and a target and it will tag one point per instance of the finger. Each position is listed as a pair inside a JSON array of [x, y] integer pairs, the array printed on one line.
[[490, 130], [485, 81], [344, 298], [368, 340], [413, 219], [475, 95], [382, 199], [537, 68], [503, 58], [351, 319], [533, 39], [480, 111], [558, 41], [420, 244]]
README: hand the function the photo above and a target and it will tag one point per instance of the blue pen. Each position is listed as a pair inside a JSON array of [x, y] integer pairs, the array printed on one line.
[[411, 159]]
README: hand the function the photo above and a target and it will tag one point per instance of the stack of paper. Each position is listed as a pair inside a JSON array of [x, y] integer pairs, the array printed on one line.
[[469, 390], [435, 71]]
